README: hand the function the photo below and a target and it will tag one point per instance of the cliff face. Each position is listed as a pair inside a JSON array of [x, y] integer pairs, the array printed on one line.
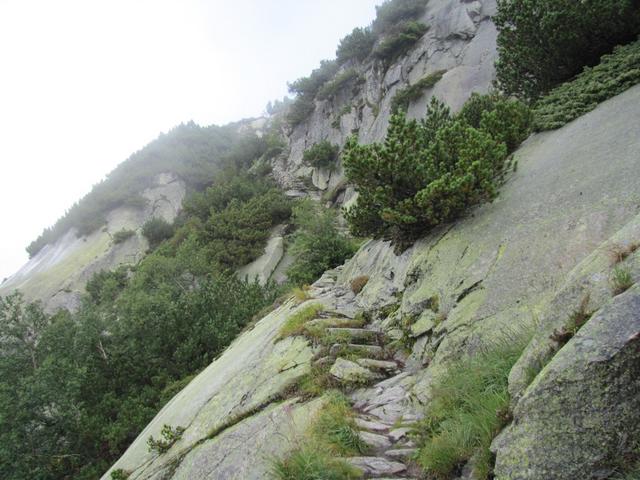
[[526, 261], [461, 41], [58, 273]]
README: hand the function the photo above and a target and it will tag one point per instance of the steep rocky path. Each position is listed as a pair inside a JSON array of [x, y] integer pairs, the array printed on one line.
[[384, 411]]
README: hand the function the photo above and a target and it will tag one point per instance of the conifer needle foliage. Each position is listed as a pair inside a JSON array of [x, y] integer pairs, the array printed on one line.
[[431, 172]]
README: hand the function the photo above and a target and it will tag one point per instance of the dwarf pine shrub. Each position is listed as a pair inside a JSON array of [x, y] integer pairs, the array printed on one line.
[[542, 43], [614, 74], [430, 172], [321, 155], [399, 42]]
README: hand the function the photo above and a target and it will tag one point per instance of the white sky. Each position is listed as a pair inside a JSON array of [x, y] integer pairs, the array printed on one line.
[[83, 84]]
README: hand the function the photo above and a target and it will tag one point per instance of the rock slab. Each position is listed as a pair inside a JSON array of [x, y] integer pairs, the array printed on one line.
[[569, 422]]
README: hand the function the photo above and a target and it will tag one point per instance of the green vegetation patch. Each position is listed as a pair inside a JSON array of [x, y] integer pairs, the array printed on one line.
[[404, 96], [296, 323], [332, 434], [613, 75], [339, 82], [156, 231], [398, 42], [542, 43], [469, 408], [392, 12], [431, 172], [317, 244], [321, 155], [356, 46], [123, 235]]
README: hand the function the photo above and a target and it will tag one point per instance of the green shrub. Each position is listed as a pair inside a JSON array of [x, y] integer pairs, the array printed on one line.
[[156, 230], [306, 89], [392, 12], [317, 244], [295, 324], [169, 435], [542, 43], [468, 409], [119, 474], [301, 108], [404, 96], [613, 75], [339, 82], [123, 235], [355, 46], [424, 174], [506, 120], [321, 155], [399, 42], [238, 234]]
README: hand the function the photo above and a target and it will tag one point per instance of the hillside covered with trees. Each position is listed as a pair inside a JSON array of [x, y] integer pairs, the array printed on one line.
[[78, 388]]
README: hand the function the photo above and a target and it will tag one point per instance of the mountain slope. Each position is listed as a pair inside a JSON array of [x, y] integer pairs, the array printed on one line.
[[500, 269]]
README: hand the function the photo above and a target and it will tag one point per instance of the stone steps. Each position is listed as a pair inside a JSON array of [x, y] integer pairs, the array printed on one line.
[[369, 350], [350, 372], [377, 466], [373, 364], [401, 453], [360, 335], [382, 418]]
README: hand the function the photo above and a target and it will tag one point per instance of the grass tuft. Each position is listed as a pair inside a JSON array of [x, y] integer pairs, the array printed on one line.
[[332, 434], [469, 408], [335, 427], [576, 321], [621, 280], [309, 463], [295, 324]]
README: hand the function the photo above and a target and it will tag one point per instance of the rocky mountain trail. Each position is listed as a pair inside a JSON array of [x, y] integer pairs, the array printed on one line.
[[384, 411]]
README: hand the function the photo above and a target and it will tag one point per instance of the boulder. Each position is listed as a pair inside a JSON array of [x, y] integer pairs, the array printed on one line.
[[348, 371], [582, 412]]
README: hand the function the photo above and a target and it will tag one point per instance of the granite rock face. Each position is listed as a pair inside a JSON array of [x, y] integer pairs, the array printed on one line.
[[461, 40], [508, 265], [582, 412]]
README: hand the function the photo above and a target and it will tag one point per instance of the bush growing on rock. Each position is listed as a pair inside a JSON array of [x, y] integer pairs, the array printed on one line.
[[356, 46], [156, 230], [321, 155], [506, 120], [542, 43], [404, 96], [306, 89], [392, 12], [430, 172], [613, 75], [400, 41], [317, 244], [123, 235], [340, 81]]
